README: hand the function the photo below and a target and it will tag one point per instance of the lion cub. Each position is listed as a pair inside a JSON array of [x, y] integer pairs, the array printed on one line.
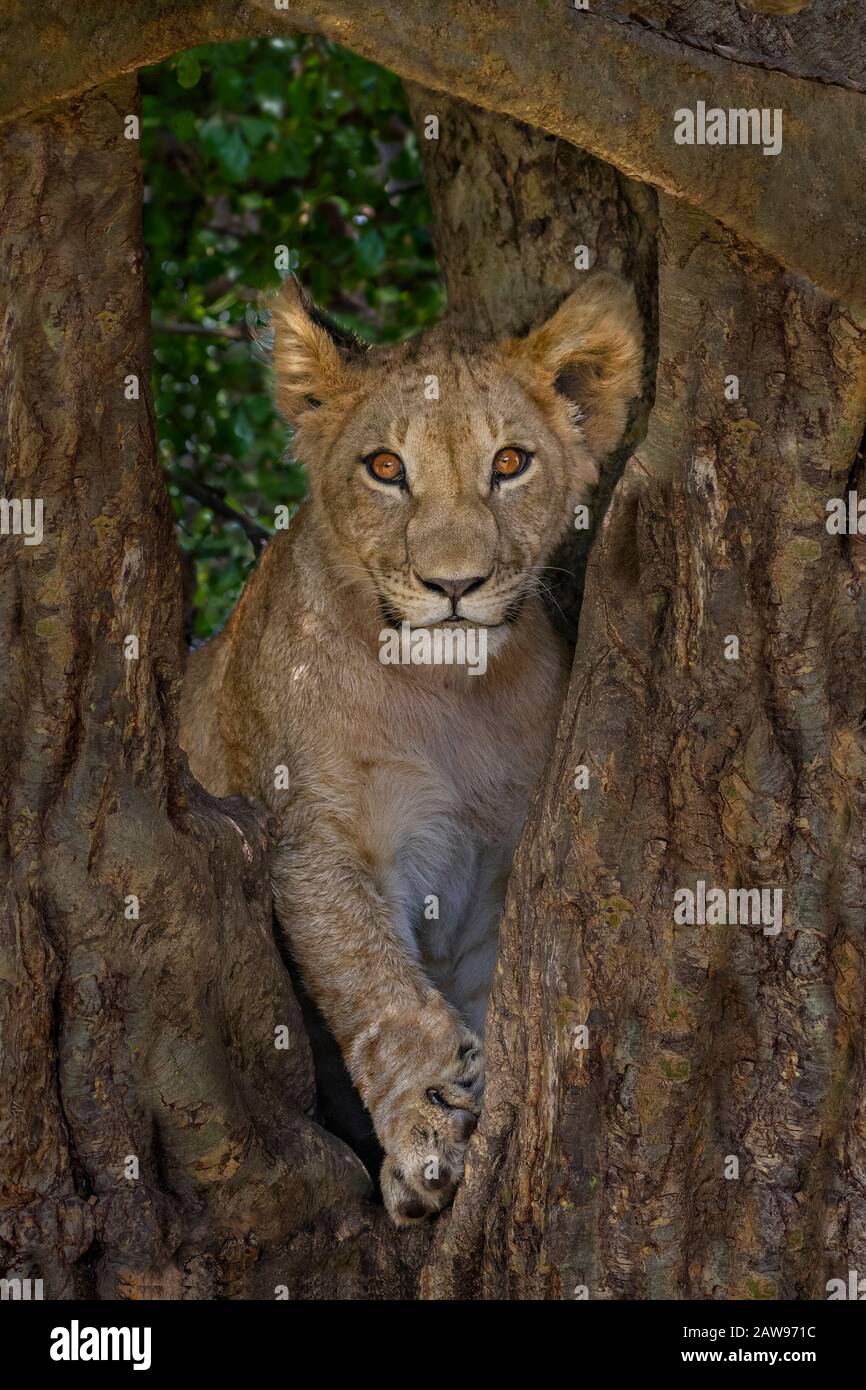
[[443, 472]]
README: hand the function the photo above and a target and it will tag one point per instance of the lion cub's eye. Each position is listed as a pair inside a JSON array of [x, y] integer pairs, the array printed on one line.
[[509, 462], [385, 466]]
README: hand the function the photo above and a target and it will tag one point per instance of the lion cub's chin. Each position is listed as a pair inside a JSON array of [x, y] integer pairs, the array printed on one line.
[[443, 645], [494, 635], [496, 638]]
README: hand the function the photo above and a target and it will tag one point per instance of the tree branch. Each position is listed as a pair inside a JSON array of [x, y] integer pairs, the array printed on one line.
[[215, 499], [521, 59], [236, 331]]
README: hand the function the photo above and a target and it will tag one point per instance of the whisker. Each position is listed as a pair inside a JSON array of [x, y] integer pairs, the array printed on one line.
[[538, 586]]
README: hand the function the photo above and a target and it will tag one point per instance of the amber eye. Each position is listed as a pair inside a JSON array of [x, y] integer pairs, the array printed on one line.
[[385, 466], [509, 462]]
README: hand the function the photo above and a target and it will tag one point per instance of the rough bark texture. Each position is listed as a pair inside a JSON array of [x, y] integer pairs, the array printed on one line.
[[148, 1039], [603, 1168], [510, 206], [595, 77], [814, 38], [598, 1168]]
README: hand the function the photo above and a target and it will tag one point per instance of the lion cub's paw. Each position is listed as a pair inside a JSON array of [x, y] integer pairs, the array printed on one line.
[[426, 1145]]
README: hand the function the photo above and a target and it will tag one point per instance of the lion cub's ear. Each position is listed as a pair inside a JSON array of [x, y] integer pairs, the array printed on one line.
[[310, 365], [591, 352]]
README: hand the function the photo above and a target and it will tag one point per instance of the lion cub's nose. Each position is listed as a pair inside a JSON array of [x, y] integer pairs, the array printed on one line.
[[454, 588]]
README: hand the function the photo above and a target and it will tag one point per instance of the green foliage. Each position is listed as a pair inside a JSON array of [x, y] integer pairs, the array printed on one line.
[[248, 147]]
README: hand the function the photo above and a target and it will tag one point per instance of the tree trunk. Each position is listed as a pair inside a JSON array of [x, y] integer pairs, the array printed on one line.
[[706, 1136], [603, 1163], [155, 1141]]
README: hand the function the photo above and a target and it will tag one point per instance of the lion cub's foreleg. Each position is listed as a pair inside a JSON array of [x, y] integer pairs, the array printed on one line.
[[417, 1067]]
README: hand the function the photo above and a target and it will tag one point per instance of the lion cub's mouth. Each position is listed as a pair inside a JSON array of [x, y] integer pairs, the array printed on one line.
[[392, 618], [454, 621]]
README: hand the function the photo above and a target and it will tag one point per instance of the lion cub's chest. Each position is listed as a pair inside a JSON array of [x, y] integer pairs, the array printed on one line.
[[447, 809]]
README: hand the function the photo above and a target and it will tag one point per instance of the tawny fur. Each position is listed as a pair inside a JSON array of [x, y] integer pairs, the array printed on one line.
[[408, 785]]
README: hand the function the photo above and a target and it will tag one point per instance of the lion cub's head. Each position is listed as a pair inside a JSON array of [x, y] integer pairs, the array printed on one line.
[[447, 469]]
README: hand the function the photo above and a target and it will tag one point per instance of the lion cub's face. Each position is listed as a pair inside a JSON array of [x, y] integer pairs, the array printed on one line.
[[446, 470]]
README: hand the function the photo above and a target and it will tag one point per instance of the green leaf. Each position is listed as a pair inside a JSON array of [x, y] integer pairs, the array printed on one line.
[[369, 252], [259, 409], [269, 86], [182, 125], [255, 129], [229, 86], [227, 145], [188, 70]]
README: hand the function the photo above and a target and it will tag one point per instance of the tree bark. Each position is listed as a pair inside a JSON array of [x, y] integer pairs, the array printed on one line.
[[604, 1170], [599, 78], [154, 1140]]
